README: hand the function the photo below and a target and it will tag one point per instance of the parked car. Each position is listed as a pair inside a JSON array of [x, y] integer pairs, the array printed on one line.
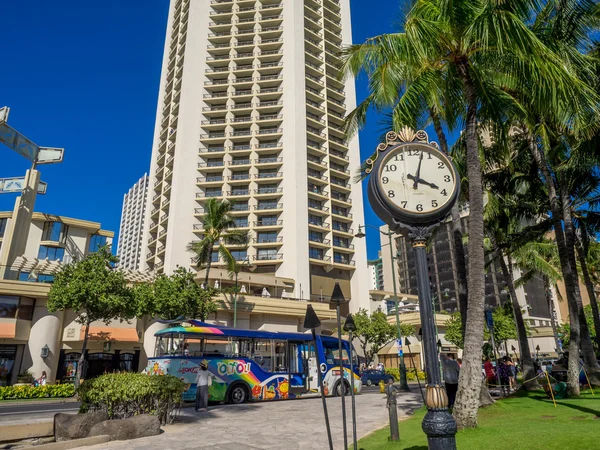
[[371, 377]]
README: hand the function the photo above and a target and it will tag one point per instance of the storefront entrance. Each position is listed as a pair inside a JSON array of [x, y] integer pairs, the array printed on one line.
[[8, 354], [97, 364]]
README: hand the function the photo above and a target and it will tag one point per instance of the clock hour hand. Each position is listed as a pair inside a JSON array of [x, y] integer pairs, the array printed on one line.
[[422, 181], [418, 174]]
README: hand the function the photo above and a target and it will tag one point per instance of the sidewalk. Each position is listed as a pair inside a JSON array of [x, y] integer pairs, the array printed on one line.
[[36, 401], [290, 424]]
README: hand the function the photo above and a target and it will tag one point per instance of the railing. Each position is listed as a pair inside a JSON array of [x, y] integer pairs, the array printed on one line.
[[268, 223], [338, 227], [245, 176], [268, 160], [346, 261], [270, 131], [268, 206], [209, 194], [239, 162], [268, 190], [264, 175], [269, 240], [238, 192], [319, 240], [209, 179], [342, 244], [319, 256], [268, 145], [316, 223], [268, 257]]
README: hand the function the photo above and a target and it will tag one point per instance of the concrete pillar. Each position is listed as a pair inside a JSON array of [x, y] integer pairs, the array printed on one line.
[[46, 329], [15, 238], [151, 327]]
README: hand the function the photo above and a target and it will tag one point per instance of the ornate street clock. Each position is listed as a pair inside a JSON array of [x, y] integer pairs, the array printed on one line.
[[412, 187], [411, 181]]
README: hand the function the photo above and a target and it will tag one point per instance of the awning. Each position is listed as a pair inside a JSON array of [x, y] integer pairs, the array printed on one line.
[[111, 334], [8, 330]]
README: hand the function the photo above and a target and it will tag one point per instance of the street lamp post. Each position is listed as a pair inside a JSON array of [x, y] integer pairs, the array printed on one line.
[[350, 327], [338, 298], [402, 368]]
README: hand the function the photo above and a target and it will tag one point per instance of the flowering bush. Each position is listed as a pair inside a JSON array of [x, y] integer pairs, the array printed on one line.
[[28, 391]]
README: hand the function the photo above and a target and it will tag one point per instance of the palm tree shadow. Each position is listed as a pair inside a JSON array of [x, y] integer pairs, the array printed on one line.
[[569, 405]]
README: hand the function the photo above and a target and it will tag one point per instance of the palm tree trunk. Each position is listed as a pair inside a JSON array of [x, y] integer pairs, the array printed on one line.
[[467, 399], [208, 266], [526, 359], [459, 249], [552, 312], [587, 348], [81, 362], [567, 270], [589, 285]]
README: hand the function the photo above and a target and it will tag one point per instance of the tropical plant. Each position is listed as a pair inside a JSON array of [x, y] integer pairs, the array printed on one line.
[[478, 50], [218, 230], [176, 296], [95, 291], [28, 391], [564, 330], [124, 395]]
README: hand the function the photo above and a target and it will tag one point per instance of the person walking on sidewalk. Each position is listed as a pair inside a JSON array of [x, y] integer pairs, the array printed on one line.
[[203, 381], [451, 371]]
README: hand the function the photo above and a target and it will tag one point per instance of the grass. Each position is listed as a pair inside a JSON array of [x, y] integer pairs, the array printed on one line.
[[528, 421]]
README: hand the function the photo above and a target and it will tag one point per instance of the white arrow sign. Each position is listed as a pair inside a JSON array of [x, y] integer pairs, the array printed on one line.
[[9, 185], [50, 155]]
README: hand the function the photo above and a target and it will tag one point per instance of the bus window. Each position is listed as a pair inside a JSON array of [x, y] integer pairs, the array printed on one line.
[[262, 354], [332, 352], [161, 346], [296, 363], [194, 347], [280, 357]]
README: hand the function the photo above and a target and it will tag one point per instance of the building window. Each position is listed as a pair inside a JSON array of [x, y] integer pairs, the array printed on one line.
[[9, 304], [55, 231], [96, 241], [3, 223], [36, 278], [26, 307], [52, 253]]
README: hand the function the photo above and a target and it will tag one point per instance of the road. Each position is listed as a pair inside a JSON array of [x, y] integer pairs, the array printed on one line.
[[47, 409], [35, 410]]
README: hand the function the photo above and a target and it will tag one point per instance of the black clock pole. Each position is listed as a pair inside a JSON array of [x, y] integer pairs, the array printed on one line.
[[438, 424]]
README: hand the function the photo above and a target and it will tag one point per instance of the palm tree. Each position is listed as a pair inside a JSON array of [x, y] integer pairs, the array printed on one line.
[[472, 49], [219, 229]]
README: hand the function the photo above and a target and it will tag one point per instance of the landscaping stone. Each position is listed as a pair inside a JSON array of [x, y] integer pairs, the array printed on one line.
[[132, 428], [76, 426]]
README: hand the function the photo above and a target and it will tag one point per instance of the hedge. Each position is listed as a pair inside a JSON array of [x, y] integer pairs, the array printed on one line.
[[29, 391], [125, 395], [410, 374]]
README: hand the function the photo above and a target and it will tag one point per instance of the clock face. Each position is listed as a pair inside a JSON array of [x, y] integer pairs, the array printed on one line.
[[416, 179]]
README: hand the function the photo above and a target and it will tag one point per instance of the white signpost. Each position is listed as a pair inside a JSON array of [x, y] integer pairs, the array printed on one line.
[[9, 185], [4, 113]]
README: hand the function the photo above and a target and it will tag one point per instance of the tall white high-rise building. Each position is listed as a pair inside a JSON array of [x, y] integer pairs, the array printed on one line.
[[251, 110], [132, 225]]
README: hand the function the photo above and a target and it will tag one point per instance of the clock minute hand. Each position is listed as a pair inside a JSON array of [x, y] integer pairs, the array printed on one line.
[[418, 174]]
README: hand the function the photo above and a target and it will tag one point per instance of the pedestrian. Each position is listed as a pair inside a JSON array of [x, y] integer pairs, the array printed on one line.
[[512, 379], [504, 372], [490, 374], [203, 381], [459, 361], [41, 381], [451, 371]]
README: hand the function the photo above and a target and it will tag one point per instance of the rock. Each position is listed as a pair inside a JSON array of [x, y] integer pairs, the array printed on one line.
[[131, 428], [76, 426]]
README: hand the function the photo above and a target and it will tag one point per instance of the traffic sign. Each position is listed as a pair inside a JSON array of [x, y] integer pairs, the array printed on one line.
[[4, 113], [9, 185], [19, 143], [50, 155]]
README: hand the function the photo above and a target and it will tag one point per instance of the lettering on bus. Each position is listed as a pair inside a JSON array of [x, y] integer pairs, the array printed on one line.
[[233, 367]]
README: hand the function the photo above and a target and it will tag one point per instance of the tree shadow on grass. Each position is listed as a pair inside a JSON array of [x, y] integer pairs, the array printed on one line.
[[568, 405]]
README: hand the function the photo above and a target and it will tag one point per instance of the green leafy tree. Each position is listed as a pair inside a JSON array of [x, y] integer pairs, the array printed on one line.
[[176, 296], [95, 291], [504, 327], [374, 331], [218, 227]]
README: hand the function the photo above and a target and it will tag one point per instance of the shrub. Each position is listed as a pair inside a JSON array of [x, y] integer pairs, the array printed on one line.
[[128, 394], [393, 371], [25, 377], [28, 391], [410, 375]]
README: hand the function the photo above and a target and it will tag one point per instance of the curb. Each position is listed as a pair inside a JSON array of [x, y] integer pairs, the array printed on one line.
[[10, 403]]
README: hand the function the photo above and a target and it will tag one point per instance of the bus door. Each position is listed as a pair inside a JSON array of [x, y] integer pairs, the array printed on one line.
[[298, 367], [313, 367]]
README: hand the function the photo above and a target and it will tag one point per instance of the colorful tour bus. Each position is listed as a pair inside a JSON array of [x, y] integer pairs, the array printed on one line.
[[251, 365]]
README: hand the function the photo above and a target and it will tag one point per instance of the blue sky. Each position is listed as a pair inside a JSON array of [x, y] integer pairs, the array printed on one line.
[[84, 75]]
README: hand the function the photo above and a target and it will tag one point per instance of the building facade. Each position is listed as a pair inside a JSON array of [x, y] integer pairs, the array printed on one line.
[[26, 326], [132, 225], [251, 110], [376, 275]]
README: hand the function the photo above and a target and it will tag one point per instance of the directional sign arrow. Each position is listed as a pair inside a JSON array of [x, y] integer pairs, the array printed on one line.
[[10, 185], [19, 143]]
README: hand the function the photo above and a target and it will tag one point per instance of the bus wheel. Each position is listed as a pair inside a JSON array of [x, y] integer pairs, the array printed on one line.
[[338, 388], [238, 394], [369, 382]]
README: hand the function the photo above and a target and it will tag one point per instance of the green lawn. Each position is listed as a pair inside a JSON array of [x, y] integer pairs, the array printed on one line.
[[527, 422]]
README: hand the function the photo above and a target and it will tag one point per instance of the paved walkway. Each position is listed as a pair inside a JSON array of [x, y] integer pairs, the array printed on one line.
[[291, 424]]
